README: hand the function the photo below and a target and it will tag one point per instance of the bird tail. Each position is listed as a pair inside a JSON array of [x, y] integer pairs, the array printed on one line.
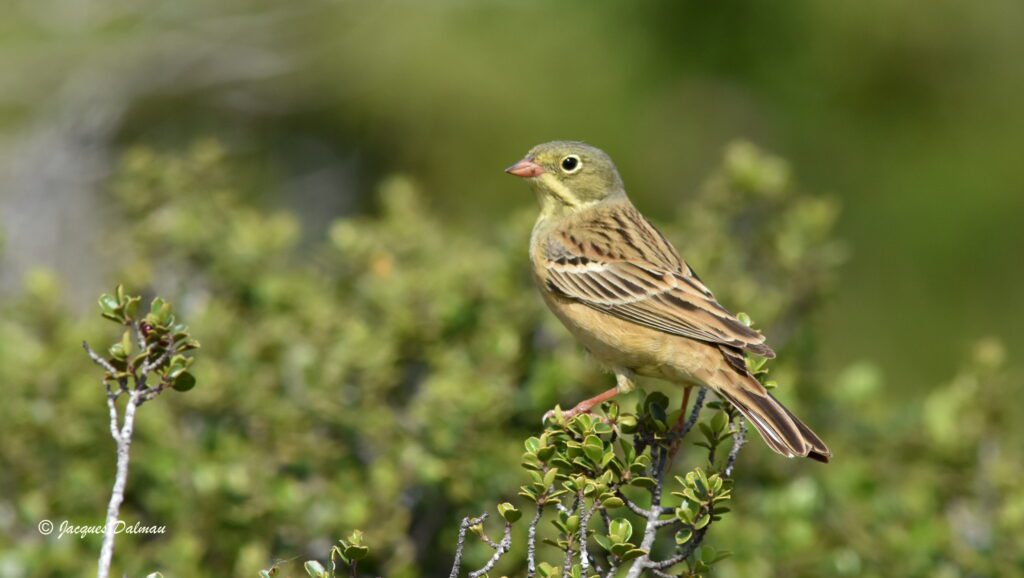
[[780, 429]]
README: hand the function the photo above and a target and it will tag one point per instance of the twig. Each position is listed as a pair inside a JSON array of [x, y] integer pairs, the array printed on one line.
[[698, 404], [95, 357], [636, 508], [585, 514], [567, 562], [461, 545], [677, 437], [500, 550], [739, 437], [148, 367], [531, 543], [123, 439], [651, 530]]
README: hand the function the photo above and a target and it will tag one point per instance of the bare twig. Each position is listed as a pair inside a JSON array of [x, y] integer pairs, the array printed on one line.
[[95, 357], [531, 543], [739, 437], [698, 404], [567, 562], [123, 439], [585, 514], [499, 550], [677, 436], [466, 524], [658, 467], [633, 506], [148, 367]]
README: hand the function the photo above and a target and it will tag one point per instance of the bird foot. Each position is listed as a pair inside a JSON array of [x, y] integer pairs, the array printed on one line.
[[552, 414]]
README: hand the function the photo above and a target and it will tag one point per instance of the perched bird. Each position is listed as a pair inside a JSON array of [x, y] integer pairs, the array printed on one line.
[[623, 291]]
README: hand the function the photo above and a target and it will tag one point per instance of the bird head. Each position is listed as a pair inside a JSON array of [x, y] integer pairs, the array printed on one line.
[[569, 176]]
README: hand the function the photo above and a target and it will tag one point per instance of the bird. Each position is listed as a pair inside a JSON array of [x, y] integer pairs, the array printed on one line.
[[621, 288]]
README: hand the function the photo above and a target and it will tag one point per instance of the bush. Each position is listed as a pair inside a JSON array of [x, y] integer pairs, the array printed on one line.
[[383, 378]]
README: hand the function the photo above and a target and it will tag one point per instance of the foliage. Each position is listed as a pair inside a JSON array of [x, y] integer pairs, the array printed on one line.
[[585, 470], [164, 346], [162, 363], [383, 378]]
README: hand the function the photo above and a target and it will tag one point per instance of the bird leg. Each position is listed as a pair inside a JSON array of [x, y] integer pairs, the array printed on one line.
[[681, 420], [678, 427], [623, 385]]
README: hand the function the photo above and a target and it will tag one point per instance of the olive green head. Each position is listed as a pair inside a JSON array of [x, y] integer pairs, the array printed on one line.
[[569, 175]]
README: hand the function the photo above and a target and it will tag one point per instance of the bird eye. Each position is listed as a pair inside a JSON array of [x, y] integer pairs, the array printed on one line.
[[571, 164]]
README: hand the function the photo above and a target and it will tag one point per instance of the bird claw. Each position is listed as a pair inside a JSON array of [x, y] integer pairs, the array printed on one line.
[[551, 416]]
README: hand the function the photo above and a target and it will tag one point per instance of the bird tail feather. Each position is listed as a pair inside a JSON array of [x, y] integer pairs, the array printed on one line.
[[780, 429]]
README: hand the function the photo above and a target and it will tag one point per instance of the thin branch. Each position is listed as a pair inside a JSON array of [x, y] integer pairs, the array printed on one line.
[[139, 337], [95, 357], [636, 508], [612, 565], [531, 543], [567, 562], [585, 515], [651, 530], [148, 367], [698, 404], [461, 545], [500, 550], [123, 439], [112, 406], [666, 522], [739, 437]]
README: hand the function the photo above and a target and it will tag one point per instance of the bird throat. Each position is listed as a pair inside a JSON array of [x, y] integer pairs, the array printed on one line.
[[555, 197]]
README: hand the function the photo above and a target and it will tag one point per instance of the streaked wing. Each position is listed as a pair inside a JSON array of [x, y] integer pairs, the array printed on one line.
[[617, 262]]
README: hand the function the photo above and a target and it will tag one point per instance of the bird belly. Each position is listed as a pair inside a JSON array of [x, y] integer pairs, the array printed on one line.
[[620, 344]]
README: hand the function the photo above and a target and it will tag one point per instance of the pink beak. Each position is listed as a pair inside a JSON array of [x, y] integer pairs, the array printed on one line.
[[525, 168]]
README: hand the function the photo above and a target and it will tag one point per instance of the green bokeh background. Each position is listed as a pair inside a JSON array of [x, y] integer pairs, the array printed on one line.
[[908, 113]]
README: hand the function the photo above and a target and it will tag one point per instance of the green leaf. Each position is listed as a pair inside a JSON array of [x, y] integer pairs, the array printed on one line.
[[644, 482], [620, 530], [131, 307], [632, 554], [354, 552], [509, 512], [719, 421], [126, 342], [184, 382], [619, 549], [613, 502], [109, 304], [683, 536], [315, 569], [594, 448], [603, 541], [544, 454], [532, 444], [549, 477], [117, 352], [627, 424]]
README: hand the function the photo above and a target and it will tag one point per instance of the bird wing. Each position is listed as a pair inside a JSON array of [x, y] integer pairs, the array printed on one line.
[[615, 261]]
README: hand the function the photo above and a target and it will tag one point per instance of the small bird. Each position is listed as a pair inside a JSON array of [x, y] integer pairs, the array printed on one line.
[[623, 291]]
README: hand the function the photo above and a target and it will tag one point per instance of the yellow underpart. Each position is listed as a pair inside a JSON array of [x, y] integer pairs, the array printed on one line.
[[558, 189]]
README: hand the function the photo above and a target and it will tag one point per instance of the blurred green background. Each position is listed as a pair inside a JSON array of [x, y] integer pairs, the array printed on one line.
[[906, 114]]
